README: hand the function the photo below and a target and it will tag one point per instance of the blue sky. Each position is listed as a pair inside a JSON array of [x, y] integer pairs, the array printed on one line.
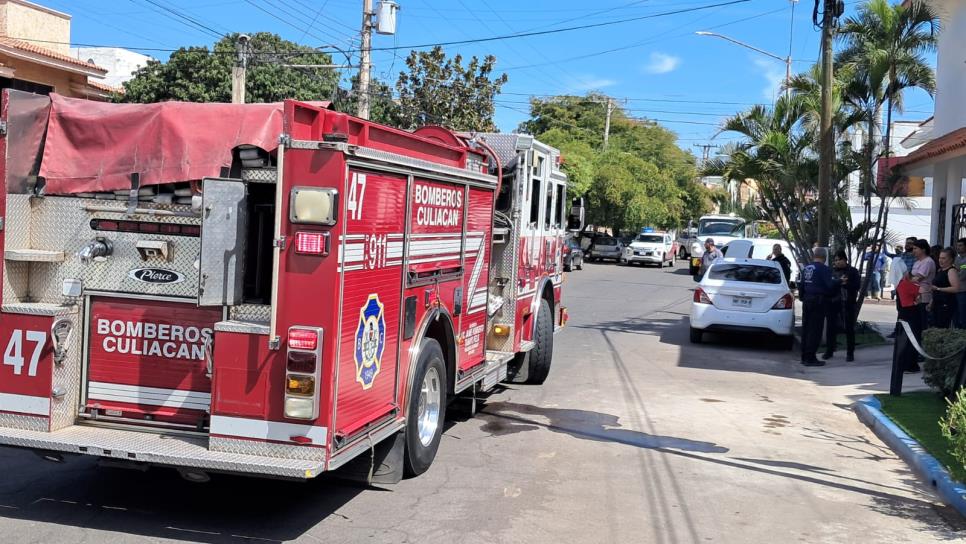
[[657, 66]]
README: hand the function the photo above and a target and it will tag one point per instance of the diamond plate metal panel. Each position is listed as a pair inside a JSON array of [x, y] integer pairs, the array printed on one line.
[[225, 226], [38, 308], [260, 175], [255, 313], [504, 145], [153, 448], [62, 223], [23, 422], [266, 449], [15, 281], [67, 377], [243, 327], [16, 231]]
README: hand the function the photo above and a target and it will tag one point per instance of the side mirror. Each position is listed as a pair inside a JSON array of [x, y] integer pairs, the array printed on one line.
[[576, 219]]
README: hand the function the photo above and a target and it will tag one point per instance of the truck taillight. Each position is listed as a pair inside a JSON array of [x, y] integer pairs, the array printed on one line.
[[784, 303], [303, 372], [303, 339], [312, 243], [701, 297]]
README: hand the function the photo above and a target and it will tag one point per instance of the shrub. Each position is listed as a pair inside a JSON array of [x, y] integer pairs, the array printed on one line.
[[954, 427], [947, 344]]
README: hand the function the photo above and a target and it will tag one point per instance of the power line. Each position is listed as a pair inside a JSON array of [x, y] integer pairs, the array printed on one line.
[[185, 19], [559, 30]]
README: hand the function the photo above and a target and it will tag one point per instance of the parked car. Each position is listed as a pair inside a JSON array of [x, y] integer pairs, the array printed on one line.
[[761, 248], [745, 296], [684, 239], [573, 256], [650, 248], [604, 247]]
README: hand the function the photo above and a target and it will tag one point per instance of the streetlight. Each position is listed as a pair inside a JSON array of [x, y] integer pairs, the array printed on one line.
[[787, 60]]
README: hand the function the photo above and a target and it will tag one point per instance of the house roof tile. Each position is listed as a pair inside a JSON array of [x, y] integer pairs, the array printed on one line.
[[49, 53]]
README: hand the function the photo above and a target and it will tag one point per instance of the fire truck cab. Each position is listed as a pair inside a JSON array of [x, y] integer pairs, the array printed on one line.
[[265, 289]]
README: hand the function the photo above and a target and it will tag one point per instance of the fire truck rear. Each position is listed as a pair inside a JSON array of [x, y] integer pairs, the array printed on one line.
[[269, 289]]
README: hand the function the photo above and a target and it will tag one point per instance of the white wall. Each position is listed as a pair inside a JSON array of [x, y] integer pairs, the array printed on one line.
[[950, 69], [120, 63]]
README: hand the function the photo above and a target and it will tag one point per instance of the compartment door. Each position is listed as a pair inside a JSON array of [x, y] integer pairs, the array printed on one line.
[[223, 226], [371, 255]]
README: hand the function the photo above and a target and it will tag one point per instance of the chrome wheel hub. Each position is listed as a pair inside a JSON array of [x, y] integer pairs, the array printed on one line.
[[430, 400]]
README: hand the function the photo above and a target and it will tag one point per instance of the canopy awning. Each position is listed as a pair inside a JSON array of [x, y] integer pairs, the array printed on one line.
[[947, 146]]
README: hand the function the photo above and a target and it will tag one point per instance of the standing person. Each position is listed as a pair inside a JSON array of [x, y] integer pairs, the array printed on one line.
[[843, 308], [711, 254], [783, 262], [875, 262], [816, 286], [908, 259], [896, 272], [923, 273], [960, 264], [907, 294], [945, 289]]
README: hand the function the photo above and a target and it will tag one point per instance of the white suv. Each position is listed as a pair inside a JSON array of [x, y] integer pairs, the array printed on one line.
[[650, 248]]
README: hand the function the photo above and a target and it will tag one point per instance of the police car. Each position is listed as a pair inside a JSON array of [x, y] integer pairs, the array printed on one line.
[[745, 296], [650, 247]]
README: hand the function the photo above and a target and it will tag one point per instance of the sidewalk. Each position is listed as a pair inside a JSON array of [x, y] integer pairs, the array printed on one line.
[[881, 315]]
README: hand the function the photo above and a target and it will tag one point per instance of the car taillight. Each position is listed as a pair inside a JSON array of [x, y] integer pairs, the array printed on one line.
[[784, 303], [303, 372], [701, 297], [312, 243]]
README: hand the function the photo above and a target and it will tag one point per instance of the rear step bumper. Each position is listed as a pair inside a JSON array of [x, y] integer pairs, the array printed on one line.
[[157, 449]]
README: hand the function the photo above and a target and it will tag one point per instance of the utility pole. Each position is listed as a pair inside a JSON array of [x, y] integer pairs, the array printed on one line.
[[831, 10], [238, 71], [705, 152], [610, 109], [365, 53]]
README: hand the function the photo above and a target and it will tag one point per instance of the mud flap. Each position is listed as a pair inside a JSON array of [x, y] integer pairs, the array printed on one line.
[[383, 464]]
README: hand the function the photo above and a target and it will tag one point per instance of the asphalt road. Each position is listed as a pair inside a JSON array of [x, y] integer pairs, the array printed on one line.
[[637, 436]]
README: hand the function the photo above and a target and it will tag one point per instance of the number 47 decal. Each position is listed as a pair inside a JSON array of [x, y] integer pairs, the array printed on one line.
[[13, 355]]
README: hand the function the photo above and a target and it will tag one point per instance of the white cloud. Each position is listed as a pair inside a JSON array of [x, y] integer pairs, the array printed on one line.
[[590, 83], [774, 74], [661, 63]]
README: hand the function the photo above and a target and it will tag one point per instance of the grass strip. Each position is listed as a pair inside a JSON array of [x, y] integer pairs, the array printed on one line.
[[918, 414]]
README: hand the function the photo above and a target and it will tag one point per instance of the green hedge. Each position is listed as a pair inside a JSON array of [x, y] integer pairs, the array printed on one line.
[[947, 344], [954, 427]]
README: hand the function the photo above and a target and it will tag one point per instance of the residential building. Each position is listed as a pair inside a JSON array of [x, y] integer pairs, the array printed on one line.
[[120, 63], [944, 156], [909, 215], [35, 54]]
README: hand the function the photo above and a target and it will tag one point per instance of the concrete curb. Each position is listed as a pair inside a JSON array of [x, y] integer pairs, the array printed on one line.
[[953, 493]]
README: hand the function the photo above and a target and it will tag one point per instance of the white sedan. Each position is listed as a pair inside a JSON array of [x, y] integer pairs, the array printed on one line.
[[743, 295]]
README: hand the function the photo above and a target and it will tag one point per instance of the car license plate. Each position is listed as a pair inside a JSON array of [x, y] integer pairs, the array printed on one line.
[[647, 253], [741, 302]]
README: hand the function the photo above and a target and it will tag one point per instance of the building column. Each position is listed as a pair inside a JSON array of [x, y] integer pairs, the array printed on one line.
[[954, 194], [938, 193]]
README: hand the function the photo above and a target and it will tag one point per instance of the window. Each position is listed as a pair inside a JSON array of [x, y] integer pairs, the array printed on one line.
[[745, 272], [650, 238], [535, 200], [561, 203], [548, 219]]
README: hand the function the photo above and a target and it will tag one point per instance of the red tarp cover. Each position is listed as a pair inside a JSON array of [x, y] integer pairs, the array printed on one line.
[[95, 146]]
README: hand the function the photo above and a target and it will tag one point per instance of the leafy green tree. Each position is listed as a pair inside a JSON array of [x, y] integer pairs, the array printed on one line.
[[197, 74], [442, 91], [641, 179], [383, 108]]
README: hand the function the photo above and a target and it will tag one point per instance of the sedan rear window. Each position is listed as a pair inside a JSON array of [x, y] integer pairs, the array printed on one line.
[[745, 272]]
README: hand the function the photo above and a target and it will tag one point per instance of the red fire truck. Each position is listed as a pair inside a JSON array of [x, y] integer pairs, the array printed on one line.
[[265, 289]]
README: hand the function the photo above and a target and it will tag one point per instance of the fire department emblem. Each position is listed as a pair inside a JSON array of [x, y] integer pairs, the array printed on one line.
[[370, 341]]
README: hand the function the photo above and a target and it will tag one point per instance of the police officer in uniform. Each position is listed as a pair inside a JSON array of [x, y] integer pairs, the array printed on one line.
[[816, 288]]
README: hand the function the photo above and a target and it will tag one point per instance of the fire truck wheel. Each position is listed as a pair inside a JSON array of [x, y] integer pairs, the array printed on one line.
[[427, 408], [542, 351]]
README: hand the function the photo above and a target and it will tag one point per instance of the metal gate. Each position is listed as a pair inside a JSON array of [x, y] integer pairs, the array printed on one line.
[[958, 225]]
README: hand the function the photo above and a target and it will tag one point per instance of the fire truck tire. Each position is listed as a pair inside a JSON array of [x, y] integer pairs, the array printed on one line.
[[427, 408], [542, 352]]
